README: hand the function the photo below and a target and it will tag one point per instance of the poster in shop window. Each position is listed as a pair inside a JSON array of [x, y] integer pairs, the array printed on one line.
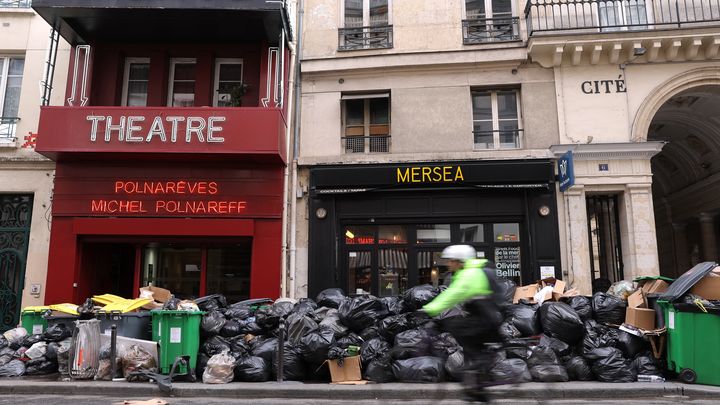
[[507, 262]]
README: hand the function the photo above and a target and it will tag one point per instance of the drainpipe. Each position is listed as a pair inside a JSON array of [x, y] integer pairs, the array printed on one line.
[[293, 194]]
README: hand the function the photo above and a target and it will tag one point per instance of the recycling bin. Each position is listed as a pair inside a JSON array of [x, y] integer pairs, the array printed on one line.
[[177, 334]]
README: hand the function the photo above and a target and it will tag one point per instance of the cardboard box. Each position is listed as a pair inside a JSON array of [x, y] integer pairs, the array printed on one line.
[[655, 286], [637, 313], [526, 292], [708, 287], [347, 372], [558, 288], [159, 294]]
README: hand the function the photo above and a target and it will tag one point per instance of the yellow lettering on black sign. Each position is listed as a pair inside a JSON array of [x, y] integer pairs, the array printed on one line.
[[430, 174]]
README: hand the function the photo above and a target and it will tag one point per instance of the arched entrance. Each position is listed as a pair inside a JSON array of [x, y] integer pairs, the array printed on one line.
[[686, 175]]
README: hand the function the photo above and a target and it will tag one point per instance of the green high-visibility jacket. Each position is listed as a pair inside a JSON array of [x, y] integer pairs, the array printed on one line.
[[467, 283]]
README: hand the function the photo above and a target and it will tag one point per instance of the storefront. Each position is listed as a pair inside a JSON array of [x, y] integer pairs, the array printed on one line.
[[380, 229]]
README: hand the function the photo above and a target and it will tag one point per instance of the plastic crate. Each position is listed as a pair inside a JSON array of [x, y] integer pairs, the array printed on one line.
[[136, 325], [177, 334]]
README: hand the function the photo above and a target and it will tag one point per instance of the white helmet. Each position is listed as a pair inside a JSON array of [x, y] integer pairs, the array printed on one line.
[[459, 252]]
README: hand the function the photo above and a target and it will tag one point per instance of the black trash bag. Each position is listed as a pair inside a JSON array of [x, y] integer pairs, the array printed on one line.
[[171, 304], [608, 308], [560, 321], [3, 342], [266, 318], [264, 348], [212, 323], [420, 369], [331, 298], [52, 351], [411, 343], [202, 360], [419, 295], [31, 340], [454, 365], [361, 312], [510, 371], [608, 365], [332, 321], [298, 325], [250, 328], [14, 368], [238, 347], [558, 346], [283, 308], [443, 345], [508, 331], [630, 344], [215, 345], [314, 346], [380, 370], [542, 356], [581, 305], [519, 352], [252, 369], [597, 336], [392, 325], [549, 373], [373, 349], [370, 332], [646, 364], [395, 305], [230, 329], [349, 340], [505, 290], [57, 332], [293, 366], [86, 310], [578, 369], [239, 313], [40, 366], [309, 302], [524, 318], [211, 302]]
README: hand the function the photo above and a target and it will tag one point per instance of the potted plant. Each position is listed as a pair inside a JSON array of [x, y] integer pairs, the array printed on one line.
[[237, 92]]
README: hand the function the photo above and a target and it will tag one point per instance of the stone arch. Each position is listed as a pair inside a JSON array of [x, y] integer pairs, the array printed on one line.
[[706, 76]]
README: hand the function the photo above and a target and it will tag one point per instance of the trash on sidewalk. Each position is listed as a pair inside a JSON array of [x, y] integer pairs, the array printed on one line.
[[638, 314], [346, 370], [154, 401]]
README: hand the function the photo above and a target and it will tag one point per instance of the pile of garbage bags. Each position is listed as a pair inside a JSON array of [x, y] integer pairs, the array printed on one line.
[[555, 341], [24, 354]]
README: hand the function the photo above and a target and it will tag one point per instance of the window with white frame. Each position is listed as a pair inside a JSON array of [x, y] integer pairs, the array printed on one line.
[[497, 123], [623, 15], [366, 123], [366, 24], [11, 74], [181, 90], [229, 86], [135, 82], [489, 21]]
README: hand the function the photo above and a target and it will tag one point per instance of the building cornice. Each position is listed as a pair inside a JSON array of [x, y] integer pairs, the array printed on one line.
[[607, 151], [425, 157]]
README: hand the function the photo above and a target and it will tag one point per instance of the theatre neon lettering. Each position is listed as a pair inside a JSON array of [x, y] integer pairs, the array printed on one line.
[[172, 129]]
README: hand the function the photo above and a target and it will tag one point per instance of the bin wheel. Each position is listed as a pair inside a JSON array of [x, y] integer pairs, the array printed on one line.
[[688, 375]]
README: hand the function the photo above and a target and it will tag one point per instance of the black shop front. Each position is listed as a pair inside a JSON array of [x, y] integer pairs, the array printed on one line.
[[380, 229]]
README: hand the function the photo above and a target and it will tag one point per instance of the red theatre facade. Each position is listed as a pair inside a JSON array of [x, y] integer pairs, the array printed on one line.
[[170, 150]]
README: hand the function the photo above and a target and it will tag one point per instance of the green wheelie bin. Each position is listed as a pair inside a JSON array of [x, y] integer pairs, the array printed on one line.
[[178, 334]]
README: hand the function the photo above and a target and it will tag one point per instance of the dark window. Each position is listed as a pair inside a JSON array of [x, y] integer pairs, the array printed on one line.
[[366, 123]]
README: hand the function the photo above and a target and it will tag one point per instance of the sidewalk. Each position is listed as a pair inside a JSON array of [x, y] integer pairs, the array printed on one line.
[[390, 391]]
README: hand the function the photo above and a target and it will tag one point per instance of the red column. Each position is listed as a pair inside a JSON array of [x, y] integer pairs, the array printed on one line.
[[62, 264], [265, 268]]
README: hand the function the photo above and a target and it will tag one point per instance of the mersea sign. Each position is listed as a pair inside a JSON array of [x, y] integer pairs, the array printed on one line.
[[157, 129]]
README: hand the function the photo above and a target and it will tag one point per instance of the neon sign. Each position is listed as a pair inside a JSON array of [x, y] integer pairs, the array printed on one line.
[[137, 129]]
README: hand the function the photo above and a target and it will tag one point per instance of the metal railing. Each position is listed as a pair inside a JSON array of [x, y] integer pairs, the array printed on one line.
[[619, 15], [498, 139], [7, 128], [484, 30], [378, 37], [366, 144], [15, 3]]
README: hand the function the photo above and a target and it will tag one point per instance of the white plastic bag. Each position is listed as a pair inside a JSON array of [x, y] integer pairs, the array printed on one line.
[[37, 350], [540, 296], [219, 369], [15, 334]]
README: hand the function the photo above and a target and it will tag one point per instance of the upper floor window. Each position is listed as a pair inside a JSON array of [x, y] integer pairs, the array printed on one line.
[[229, 86], [366, 123], [135, 84], [181, 91], [366, 25], [489, 21], [14, 3], [11, 73], [496, 119]]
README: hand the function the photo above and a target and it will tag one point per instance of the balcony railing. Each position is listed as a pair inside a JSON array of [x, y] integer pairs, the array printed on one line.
[[7, 128], [15, 3], [619, 15], [485, 30], [378, 37], [500, 139], [366, 144]]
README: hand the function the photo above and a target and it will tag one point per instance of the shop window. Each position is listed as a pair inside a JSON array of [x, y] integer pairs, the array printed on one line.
[[489, 21], [228, 271], [11, 74], [136, 81], [359, 272], [433, 233], [181, 91], [366, 25], [392, 234], [229, 86], [174, 268], [360, 235], [496, 119], [366, 123], [392, 272], [506, 232], [472, 233], [432, 269]]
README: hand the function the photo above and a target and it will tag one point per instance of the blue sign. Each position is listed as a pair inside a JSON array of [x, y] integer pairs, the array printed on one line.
[[566, 171]]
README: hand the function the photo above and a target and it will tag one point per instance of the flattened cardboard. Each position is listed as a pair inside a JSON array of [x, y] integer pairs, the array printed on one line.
[[655, 286], [159, 294], [708, 287], [349, 371], [525, 292]]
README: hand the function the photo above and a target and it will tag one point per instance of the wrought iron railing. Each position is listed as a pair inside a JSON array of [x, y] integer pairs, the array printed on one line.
[[15, 3], [377, 37], [366, 144], [619, 15], [498, 139], [484, 30], [7, 128]]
